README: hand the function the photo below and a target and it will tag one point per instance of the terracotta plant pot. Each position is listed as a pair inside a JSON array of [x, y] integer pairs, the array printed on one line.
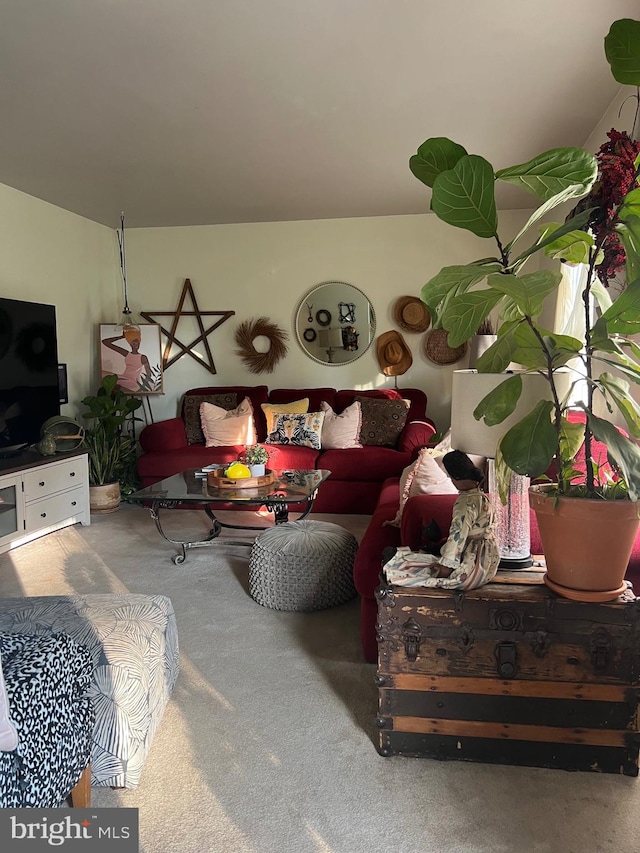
[[104, 498], [586, 543]]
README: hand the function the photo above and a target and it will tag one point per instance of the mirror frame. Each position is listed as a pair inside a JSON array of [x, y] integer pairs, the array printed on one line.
[[302, 306]]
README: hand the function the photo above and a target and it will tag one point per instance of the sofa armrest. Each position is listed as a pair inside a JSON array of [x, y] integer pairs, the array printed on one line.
[[164, 435], [419, 510], [415, 435]]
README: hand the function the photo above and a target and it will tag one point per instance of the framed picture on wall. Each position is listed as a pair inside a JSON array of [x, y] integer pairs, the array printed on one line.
[[134, 356]]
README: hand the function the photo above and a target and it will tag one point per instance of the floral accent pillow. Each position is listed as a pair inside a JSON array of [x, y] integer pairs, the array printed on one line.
[[223, 429], [382, 421], [302, 430], [423, 477], [191, 412], [341, 431]]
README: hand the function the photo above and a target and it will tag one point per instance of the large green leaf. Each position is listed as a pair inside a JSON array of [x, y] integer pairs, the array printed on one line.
[[623, 452], [499, 403], [434, 156], [629, 233], [618, 390], [570, 170], [533, 354], [575, 223], [630, 205], [622, 49], [463, 315], [623, 317], [499, 355], [530, 445], [454, 279], [573, 246], [464, 196], [527, 291]]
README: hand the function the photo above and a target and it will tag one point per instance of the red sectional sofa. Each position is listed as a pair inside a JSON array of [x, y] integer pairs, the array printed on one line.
[[418, 511], [357, 474]]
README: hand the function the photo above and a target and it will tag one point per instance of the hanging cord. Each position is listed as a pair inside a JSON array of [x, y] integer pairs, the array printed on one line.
[[123, 264]]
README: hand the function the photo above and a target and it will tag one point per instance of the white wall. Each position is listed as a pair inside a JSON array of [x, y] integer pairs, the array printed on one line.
[[265, 269], [53, 256]]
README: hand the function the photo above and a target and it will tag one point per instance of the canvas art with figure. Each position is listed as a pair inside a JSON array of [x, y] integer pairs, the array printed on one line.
[[134, 356]]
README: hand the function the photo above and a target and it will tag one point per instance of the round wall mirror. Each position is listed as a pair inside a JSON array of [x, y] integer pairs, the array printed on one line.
[[351, 327]]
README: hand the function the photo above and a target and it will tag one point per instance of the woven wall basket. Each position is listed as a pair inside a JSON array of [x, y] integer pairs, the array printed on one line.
[[437, 349]]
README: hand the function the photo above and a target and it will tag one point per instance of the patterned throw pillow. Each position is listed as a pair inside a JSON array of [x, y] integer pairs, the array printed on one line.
[[302, 430], [272, 410], [191, 412], [382, 421], [341, 431], [225, 429]]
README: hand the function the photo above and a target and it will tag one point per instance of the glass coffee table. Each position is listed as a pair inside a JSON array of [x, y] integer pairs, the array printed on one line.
[[289, 489]]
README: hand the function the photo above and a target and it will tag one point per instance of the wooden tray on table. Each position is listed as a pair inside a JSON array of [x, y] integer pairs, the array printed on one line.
[[218, 480]]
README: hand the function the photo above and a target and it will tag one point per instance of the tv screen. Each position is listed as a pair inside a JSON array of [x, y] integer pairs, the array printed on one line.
[[28, 372]]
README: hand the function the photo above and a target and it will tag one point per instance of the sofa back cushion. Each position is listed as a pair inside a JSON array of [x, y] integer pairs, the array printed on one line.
[[315, 395], [258, 394], [416, 397]]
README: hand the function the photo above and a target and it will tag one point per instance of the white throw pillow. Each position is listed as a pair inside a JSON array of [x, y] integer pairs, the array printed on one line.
[[340, 432], [223, 428], [423, 477]]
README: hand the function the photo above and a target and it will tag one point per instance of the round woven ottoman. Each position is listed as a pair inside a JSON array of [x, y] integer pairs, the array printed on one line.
[[302, 565]]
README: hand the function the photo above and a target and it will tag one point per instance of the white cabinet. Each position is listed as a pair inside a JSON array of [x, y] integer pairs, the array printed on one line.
[[42, 496]]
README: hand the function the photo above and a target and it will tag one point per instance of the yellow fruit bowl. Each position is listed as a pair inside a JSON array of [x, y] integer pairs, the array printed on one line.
[[218, 479]]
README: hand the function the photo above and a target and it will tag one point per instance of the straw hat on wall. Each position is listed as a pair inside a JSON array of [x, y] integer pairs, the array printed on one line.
[[411, 314], [394, 356]]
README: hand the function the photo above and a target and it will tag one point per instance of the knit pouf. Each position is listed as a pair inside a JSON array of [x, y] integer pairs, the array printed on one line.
[[303, 565]]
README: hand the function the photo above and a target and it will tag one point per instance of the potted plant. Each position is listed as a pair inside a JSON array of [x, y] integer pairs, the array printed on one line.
[[461, 297], [256, 457], [111, 453]]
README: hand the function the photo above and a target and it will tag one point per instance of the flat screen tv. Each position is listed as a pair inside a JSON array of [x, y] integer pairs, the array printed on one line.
[[29, 391]]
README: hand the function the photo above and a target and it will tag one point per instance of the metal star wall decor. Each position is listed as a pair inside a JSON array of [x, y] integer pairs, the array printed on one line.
[[170, 334]]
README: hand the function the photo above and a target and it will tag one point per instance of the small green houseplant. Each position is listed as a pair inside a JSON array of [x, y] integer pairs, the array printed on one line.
[[256, 454], [111, 452], [461, 297]]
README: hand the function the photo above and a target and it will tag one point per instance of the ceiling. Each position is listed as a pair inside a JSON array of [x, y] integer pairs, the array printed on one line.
[[186, 112]]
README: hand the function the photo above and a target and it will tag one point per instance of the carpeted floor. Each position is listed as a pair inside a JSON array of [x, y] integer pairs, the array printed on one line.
[[268, 743]]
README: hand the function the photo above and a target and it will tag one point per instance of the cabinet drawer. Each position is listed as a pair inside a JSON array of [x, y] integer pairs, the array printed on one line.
[[53, 478], [54, 509]]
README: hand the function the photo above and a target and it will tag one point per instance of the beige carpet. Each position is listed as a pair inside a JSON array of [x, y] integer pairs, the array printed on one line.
[[268, 743]]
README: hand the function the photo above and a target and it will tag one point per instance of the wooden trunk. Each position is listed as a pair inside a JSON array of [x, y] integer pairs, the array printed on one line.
[[510, 674]]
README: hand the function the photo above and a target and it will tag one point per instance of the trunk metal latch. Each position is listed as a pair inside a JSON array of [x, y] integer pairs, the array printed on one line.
[[507, 660], [412, 637]]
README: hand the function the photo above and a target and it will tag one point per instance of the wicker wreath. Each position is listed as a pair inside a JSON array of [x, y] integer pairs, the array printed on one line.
[[260, 362]]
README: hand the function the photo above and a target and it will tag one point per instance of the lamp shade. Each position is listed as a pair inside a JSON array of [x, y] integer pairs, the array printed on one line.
[[330, 338], [470, 387]]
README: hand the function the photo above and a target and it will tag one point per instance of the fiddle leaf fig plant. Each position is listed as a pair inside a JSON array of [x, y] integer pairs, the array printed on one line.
[[508, 285]]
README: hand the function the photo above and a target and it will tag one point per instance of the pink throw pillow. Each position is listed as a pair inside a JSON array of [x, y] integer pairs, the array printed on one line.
[[423, 477], [223, 428], [340, 432]]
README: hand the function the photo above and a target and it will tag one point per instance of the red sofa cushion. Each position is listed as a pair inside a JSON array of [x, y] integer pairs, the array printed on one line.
[[315, 395], [364, 464]]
